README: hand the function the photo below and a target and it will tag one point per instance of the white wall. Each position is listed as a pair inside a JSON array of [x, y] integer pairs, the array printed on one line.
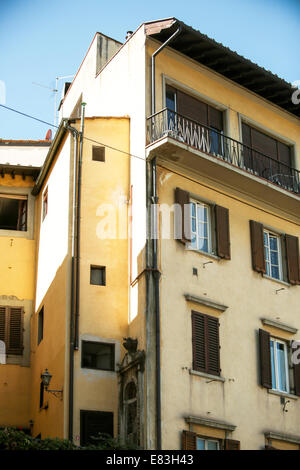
[[25, 156]]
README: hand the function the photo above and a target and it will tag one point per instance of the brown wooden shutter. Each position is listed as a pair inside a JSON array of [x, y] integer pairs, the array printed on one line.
[[191, 108], [213, 345], [215, 118], [2, 324], [292, 255], [265, 359], [268, 447], [206, 345], [182, 216], [257, 247], [231, 444], [15, 330], [198, 340], [189, 440], [296, 368], [222, 232]]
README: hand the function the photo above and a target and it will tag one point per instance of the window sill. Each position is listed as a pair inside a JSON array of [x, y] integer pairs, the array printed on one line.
[[207, 376], [279, 281], [282, 394], [205, 253]]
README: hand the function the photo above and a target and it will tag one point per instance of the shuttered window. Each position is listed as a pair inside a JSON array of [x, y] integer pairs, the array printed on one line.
[[11, 329], [205, 226], [274, 365], [275, 254], [205, 339], [191, 441], [267, 145], [94, 422], [192, 108]]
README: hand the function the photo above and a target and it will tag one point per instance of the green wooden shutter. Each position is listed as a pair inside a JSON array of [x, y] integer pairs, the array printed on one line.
[[222, 232], [265, 359], [189, 440], [292, 255], [257, 247]]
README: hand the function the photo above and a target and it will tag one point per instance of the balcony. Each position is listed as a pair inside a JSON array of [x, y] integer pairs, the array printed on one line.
[[167, 126]]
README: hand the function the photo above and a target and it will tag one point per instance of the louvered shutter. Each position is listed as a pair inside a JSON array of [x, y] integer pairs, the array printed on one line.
[[15, 330], [215, 118], [222, 232], [205, 338], [191, 108], [231, 444], [265, 359], [296, 368], [198, 341], [292, 255], [2, 324], [188, 440], [257, 246], [182, 216]]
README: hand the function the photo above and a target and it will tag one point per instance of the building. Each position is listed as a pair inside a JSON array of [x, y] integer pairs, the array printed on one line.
[[167, 250]]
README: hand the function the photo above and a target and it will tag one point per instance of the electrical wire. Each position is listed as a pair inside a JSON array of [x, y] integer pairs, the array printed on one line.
[[84, 137]]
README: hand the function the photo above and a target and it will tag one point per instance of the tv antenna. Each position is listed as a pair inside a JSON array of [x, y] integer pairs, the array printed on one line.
[[55, 91]]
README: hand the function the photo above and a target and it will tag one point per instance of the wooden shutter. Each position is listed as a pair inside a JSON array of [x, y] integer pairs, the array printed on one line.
[[268, 447], [206, 345], [189, 440], [257, 247], [2, 324], [215, 118], [15, 330], [231, 444], [292, 255], [222, 232], [191, 108], [265, 359], [198, 340], [182, 216], [296, 368]]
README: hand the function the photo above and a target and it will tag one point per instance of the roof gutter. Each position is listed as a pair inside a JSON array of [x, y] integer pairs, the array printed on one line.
[[50, 157]]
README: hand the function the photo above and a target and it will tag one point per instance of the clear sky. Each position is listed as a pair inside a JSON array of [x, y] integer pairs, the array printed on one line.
[[41, 40]]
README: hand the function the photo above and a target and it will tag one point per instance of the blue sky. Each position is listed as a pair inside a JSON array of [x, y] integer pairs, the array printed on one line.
[[41, 40]]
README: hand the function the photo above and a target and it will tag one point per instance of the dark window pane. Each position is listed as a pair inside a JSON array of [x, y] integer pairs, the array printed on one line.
[[13, 214], [98, 154], [98, 355], [98, 275]]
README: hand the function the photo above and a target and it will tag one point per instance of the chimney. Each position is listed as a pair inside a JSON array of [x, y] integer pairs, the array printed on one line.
[[129, 33], [106, 48]]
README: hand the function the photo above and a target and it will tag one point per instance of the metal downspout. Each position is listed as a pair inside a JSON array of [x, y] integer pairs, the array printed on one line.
[[155, 272], [74, 320]]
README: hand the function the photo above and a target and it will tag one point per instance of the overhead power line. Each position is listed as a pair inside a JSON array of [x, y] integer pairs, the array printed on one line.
[[86, 138]]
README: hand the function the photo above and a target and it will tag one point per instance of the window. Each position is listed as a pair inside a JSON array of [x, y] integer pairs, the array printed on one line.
[[278, 166], [98, 355], [45, 203], [94, 422], [98, 275], [11, 329], [272, 247], [41, 325], [205, 342], [98, 153], [193, 441], [201, 223], [207, 444], [279, 365], [13, 212], [193, 109], [277, 370], [202, 226], [275, 255]]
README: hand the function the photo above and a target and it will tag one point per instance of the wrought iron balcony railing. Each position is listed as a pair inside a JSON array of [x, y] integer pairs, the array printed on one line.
[[167, 123]]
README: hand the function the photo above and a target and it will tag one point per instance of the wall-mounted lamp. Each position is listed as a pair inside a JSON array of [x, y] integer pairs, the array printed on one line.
[[46, 379]]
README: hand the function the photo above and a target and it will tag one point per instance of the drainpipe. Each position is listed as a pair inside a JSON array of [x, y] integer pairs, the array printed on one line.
[[76, 345], [155, 272], [75, 262], [153, 65]]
